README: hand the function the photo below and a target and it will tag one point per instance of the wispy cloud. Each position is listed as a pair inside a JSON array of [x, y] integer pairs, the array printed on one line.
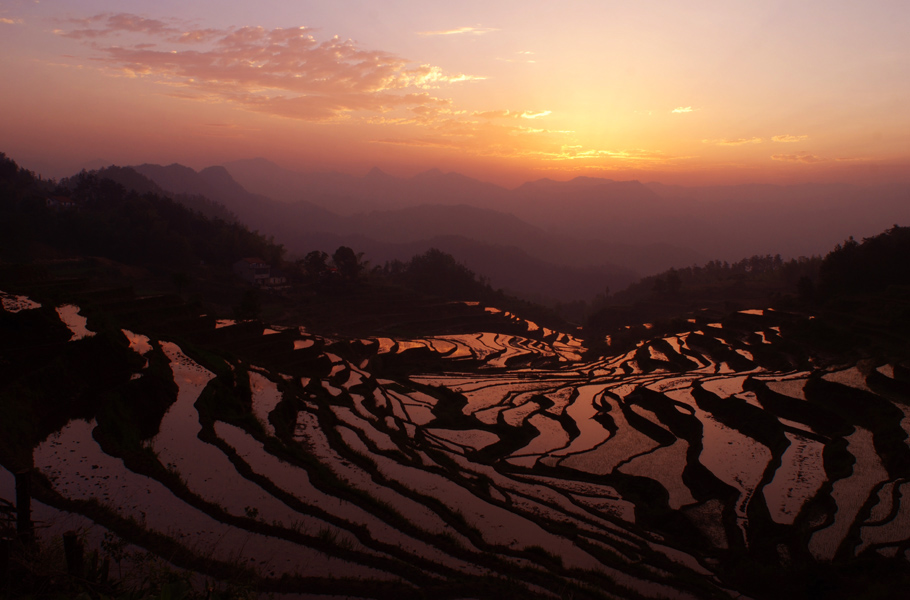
[[736, 142], [801, 157], [580, 154], [494, 114], [285, 72], [6, 21], [789, 139], [510, 114], [525, 58], [99, 26], [418, 142], [682, 109], [459, 31]]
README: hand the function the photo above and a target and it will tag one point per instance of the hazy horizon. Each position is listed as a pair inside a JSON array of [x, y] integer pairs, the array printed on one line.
[[701, 94]]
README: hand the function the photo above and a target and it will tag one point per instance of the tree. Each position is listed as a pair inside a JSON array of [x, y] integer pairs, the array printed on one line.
[[314, 264], [438, 272], [806, 289], [674, 283], [347, 262]]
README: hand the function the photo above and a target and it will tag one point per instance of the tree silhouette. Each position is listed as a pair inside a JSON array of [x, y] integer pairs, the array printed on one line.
[[674, 283], [314, 264], [347, 263], [437, 272]]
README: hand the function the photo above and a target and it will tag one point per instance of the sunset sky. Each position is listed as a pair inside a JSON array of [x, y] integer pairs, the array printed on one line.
[[679, 91]]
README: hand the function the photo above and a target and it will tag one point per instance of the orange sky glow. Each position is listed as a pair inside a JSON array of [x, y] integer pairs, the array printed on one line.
[[680, 92]]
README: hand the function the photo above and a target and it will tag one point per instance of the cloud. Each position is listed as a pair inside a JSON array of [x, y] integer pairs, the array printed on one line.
[[682, 109], [801, 157], [459, 31], [524, 54], [286, 72], [6, 21], [736, 142], [579, 153], [530, 115], [510, 114], [418, 142], [103, 25], [493, 114], [789, 139]]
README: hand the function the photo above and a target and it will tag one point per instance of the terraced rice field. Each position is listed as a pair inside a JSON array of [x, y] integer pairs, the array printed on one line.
[[505, 459]]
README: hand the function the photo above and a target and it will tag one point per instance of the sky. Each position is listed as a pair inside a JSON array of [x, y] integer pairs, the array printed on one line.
[[677, 91]]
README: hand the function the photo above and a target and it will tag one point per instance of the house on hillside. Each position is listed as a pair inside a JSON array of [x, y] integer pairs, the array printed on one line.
[[253, 270], [277, 279], [61, 203]]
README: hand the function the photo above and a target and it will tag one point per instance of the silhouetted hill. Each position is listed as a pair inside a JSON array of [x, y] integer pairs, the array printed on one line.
[[377, 190], [92, 215], [131, 179], [273, 218], [874, 264]]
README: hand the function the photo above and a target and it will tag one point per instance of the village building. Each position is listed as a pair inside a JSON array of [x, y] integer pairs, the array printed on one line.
[[61, 202], [253, 270]]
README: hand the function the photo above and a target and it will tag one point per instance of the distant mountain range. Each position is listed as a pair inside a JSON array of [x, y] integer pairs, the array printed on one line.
[[549, 240], [711, 222]]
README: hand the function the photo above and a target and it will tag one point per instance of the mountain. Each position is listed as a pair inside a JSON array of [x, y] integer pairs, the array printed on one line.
[[133, 180], [716, 222], [259, 212], [348, 194], [583, 221], [493, 244]]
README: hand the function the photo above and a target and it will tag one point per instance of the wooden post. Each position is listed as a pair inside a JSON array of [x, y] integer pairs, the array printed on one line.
[[24, 525], [72, 548]]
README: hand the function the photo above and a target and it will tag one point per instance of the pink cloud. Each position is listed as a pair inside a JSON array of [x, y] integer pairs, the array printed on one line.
[[287, 72]]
